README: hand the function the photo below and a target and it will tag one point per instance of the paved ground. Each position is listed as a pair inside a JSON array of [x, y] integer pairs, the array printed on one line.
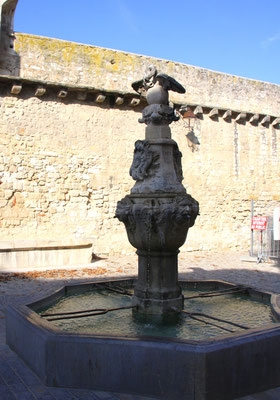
[[18, 382]]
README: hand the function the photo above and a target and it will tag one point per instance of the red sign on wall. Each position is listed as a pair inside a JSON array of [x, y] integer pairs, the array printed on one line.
[[259, 223]]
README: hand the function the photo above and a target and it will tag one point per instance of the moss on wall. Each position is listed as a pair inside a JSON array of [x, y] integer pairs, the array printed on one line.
[[67, 62]]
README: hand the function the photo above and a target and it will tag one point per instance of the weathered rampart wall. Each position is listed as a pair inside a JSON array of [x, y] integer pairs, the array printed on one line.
[[64, 160], [72, 63]]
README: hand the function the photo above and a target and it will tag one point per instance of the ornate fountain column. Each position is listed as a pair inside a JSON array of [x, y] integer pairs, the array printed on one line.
[[158, 212]]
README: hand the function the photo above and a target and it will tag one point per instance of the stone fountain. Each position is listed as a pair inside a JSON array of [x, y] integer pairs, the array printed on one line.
[[158, 213]]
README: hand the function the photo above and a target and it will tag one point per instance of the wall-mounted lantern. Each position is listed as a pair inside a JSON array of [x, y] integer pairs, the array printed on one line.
[[189, 121], [189, 117]]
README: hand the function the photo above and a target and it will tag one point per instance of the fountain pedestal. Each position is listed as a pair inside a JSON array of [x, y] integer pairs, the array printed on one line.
[[157, 215], [157, 290]]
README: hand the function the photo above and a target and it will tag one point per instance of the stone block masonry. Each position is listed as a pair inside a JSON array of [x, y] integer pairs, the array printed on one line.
[[59, 164], [18, 254], [64, 158]]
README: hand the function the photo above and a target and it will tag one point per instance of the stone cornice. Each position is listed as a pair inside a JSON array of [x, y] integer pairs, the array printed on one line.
[[229, 115], [16, 85], [38, 88]]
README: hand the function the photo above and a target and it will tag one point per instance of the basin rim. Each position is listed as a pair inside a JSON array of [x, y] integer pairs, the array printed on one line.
[[223, 340]]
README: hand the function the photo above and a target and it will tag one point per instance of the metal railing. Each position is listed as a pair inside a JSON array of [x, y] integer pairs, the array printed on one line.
[[264, 245]]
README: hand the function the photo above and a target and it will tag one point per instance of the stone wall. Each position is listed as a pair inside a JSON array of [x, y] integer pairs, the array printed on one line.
[[63, 168], [64, 162], [72, 63]]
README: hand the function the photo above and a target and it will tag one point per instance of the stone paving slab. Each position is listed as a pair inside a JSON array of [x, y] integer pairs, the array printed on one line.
[[18, 382]]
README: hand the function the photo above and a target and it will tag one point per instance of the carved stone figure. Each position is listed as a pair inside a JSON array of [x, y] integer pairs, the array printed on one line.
[[177, 157], [147, 81], [158, 224], [124, 214], [158, 114], [156, 167], [156, 87], [144, 161]]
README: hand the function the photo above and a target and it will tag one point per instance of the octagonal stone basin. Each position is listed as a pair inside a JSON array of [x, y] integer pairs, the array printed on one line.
[[216, 368]]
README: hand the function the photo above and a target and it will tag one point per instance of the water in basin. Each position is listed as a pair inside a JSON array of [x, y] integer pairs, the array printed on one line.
[[239, 308]]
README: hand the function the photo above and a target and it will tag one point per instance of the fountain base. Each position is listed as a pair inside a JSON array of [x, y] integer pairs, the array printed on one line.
[[158, 307], [221, 368]]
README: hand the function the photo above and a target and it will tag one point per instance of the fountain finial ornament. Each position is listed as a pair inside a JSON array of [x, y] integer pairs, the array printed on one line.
[[158, 212], [156, 87], [161, 83]]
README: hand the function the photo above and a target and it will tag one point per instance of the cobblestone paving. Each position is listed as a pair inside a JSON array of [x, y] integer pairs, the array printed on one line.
[[17, 381]]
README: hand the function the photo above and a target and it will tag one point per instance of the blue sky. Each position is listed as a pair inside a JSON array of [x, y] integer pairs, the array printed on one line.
[[240, 37]]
